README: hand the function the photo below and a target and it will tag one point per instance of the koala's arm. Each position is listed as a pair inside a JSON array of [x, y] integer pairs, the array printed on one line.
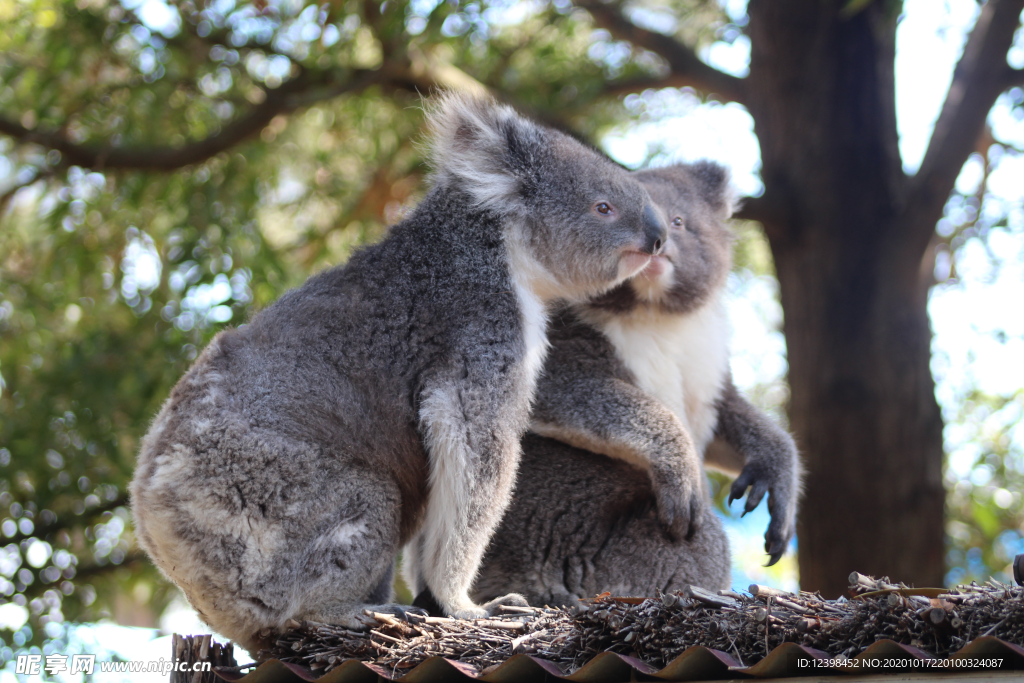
[[472, 439], [769, 460], [608, 415]]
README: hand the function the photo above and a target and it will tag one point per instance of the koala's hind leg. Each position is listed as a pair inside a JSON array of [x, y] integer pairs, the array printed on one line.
[[348, 567]]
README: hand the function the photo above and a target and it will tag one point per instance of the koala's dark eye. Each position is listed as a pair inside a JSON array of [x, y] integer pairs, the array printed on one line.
[[604, 208], [677, 222]]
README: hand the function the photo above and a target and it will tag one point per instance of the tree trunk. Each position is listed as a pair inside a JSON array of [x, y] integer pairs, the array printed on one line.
[[853, 291]]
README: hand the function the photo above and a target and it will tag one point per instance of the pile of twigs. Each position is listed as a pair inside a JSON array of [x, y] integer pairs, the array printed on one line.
[[395, 644], [656, 630], [659, 630], [937, 621]]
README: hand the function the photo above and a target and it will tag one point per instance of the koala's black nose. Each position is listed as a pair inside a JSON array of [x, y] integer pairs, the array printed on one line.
[[655, 232]]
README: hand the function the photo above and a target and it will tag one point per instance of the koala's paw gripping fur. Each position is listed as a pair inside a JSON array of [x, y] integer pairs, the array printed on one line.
[[782, 525], [680, 504]]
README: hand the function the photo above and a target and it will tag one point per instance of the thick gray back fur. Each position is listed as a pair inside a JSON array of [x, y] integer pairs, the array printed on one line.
[[641, 374], [383, 402]]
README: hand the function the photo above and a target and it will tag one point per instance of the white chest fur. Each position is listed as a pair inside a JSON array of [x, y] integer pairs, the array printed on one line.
[[531, 282], [682, 360]]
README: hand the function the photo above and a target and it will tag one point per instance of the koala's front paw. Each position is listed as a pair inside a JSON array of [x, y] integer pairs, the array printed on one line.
[[680, 503], [781, 506]]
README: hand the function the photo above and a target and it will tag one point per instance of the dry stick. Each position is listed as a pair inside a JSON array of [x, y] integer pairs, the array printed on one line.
[[994, 627], [767, 591]]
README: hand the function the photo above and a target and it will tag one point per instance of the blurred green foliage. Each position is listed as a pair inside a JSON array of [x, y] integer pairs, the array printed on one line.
[[985, 512]]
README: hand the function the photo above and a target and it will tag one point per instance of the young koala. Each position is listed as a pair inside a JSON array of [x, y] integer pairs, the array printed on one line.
[[641, 374], [385, 400]]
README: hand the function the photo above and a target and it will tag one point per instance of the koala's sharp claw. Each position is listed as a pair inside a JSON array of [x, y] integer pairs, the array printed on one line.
[[740, 486], [670, 514], [775, 543], [680, 509], [418, 612], [757, 493], [696, 517]]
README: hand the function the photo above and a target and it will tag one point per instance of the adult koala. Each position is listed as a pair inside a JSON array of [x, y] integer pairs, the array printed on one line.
[[641, 374], [385, 400]]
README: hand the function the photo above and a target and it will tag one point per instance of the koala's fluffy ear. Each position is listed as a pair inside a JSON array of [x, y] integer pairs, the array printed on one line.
[[713, 184], [484, 147]]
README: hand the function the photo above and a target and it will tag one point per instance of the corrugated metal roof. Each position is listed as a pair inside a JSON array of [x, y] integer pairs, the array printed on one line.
[[695, 664]]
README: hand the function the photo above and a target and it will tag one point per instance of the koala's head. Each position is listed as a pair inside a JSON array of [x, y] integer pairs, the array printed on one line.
[[576, 224], [696, 200]]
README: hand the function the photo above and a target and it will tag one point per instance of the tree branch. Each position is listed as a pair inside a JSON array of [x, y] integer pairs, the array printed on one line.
[[294, 94], [978, 80], [686, 68], [86, 572], [636, 85], [93, 570], [68, 522], [772, 210]]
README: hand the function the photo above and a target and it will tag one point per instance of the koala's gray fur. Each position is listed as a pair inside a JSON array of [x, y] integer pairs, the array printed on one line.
[[384, 401], [581, 524], [641, 374]]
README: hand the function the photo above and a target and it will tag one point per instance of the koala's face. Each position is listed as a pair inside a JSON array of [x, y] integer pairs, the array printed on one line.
[[579, 224], [695, 201], [591, 223]]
